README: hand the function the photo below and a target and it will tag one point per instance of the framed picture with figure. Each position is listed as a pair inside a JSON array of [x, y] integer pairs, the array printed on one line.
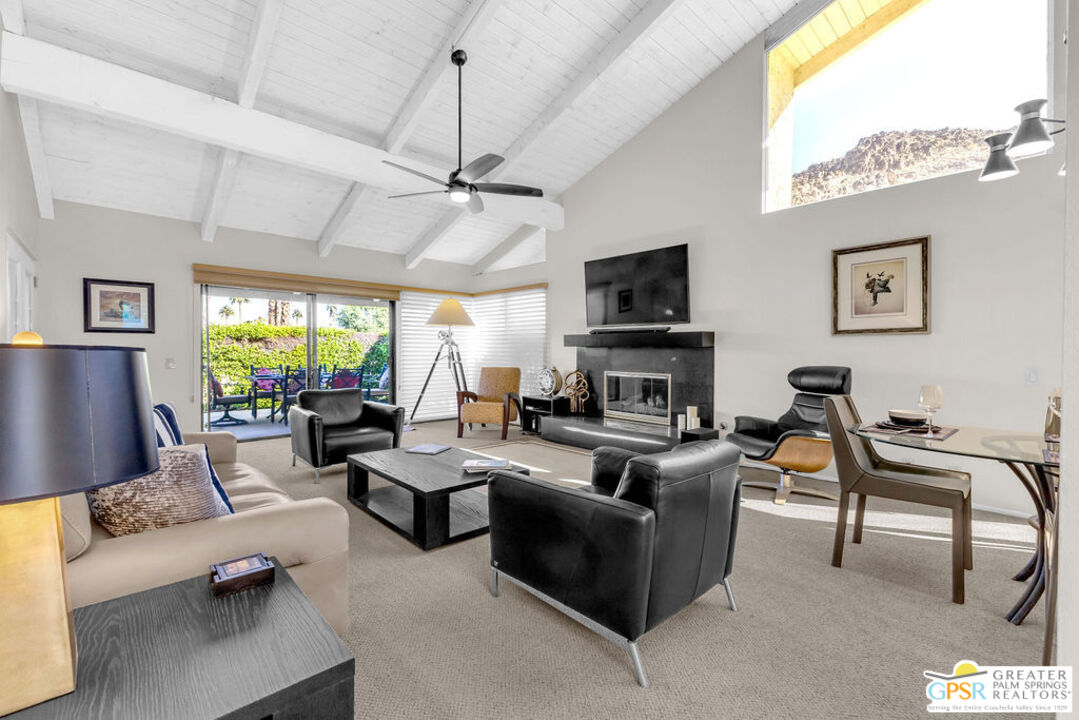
[[881, 288], [116, 306]]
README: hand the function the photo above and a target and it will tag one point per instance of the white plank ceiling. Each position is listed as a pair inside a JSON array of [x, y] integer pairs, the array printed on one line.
[[350, 68]]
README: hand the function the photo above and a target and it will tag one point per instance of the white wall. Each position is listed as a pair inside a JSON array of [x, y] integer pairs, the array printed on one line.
[[1068, 512], [763, 282], [85, 241], [18, 206]]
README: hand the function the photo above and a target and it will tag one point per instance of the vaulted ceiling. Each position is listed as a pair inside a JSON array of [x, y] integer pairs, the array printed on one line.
[[555, 86]]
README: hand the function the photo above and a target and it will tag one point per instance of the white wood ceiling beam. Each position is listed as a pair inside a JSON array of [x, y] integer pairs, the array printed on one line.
[[52, 74], [641, 24], [436, 232], [263, 29], [504, 248], [472, 21], [12, 15]]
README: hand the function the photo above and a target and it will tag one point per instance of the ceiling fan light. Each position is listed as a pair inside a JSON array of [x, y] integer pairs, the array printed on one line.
[[998, 166], [1031, 137], [459, 194]]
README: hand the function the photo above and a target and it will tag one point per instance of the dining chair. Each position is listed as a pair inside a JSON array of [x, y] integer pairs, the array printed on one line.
[[863, 472]]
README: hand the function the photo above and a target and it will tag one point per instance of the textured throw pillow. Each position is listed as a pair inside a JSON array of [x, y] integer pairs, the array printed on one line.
[[167, 425], [181, 491]]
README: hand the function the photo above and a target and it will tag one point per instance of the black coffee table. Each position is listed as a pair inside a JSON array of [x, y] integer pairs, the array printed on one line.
[[432, 501]]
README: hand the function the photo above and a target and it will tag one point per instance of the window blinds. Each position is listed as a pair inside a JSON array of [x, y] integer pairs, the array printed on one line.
[[510, 330]]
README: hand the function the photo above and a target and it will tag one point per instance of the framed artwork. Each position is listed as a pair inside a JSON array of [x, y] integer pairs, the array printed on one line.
[[881, 288], [115, 306]]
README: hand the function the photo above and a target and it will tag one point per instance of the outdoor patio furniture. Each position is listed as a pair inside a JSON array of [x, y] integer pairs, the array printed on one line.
[[295, 381], [225, 403], [266, 383], [343, 378]]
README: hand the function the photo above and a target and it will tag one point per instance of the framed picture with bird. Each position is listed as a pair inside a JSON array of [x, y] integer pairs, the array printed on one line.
[[881, 288]]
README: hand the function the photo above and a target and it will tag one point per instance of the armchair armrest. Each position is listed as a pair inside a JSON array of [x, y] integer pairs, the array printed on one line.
[[221, 445], [385, 416], [511, 398], [306, 430], [463, 395], [756, 427], [608, 464], [590, 552], [298, 533]]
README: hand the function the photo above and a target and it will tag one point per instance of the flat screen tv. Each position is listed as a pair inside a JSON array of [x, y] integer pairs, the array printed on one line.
[[645, 288]]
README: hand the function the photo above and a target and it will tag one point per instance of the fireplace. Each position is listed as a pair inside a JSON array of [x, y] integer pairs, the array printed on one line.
[[644, 397]]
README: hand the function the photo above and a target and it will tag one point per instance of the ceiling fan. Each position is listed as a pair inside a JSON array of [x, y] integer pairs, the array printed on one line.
[[461, 185]]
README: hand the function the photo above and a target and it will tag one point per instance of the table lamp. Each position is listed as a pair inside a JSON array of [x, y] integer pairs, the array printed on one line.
[[72, 418], [449, 312]]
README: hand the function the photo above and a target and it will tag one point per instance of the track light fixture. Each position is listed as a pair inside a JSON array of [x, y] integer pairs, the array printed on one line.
[[1030, 138]]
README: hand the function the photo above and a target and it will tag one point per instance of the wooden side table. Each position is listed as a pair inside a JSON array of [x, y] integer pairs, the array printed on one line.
[[535, 407], [178, 652]]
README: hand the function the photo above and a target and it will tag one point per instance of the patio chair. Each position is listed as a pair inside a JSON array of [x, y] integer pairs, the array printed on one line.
[[344, 378], [264, 389], [225, 403], [295, 381]]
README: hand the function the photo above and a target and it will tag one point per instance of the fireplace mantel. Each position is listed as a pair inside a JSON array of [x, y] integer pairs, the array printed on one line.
[[644, 339]]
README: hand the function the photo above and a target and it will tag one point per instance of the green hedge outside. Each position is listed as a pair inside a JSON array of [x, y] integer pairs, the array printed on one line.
[[235, 348]]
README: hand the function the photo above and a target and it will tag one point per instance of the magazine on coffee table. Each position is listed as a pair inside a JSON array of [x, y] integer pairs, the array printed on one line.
[[428, 449], [480, 466]]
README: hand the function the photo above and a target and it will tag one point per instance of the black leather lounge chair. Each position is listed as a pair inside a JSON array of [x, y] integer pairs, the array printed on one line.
[[649, 536], [329, 425], [798, 441]]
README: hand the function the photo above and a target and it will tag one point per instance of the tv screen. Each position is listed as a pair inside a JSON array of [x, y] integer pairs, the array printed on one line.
[[645, 288]]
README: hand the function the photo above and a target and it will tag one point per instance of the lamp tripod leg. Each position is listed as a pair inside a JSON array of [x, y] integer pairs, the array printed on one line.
[[438, 356]]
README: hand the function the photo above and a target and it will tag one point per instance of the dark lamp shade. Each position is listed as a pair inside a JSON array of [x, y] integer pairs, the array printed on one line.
[[73, 418]]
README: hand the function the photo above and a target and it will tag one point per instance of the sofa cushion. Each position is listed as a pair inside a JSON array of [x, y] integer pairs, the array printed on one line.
[[167, 425], [253, 500], [181, 491], [77, 530], [343, 441]]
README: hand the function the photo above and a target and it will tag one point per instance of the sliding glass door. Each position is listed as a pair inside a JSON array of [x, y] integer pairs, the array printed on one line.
[[262, 347], [354, 345]]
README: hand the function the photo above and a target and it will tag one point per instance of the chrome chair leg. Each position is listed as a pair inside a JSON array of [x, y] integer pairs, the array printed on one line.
[[638, 667], [730, 594], [494, 582], [293, 459]]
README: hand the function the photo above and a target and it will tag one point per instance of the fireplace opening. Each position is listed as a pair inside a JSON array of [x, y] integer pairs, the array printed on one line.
[[644, 397]]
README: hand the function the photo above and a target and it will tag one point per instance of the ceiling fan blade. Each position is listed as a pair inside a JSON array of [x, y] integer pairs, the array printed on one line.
[[414, 172], [475, 204], [479, 167], [509, 189], [432, 192]]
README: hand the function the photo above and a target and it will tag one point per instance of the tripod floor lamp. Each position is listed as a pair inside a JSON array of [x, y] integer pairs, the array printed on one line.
[[449, 313]]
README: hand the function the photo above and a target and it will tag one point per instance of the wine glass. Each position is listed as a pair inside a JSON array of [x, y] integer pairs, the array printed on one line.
[[931, 399]]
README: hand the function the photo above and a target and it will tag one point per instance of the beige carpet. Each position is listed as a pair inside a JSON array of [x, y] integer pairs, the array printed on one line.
[[809, 640]]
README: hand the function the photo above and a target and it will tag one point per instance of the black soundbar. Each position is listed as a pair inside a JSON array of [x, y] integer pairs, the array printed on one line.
[[612, 331]]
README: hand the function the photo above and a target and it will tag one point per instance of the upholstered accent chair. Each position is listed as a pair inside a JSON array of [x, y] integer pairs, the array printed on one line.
[[798, 441], [650, 535], [863, 472], [329, 425], [497, 400]]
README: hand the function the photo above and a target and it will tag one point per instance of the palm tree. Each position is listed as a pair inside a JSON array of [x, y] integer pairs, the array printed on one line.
[[226, 312], [297, 314], [331, 310], [239, 303]]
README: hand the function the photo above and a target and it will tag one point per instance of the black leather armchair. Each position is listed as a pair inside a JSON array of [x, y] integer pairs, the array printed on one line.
[[798, 441], [623, 555], [329, 425]]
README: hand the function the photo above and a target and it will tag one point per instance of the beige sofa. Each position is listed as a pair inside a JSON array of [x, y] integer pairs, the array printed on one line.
[[309, 537]]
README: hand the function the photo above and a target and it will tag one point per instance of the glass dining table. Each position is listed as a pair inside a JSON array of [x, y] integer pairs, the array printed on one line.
[[1033, 461]]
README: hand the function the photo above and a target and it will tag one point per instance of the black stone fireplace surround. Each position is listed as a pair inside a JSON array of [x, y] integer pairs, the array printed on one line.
[[688, 357]]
